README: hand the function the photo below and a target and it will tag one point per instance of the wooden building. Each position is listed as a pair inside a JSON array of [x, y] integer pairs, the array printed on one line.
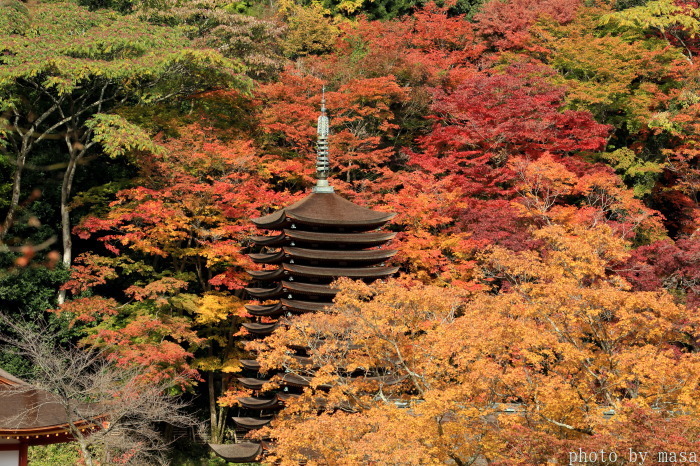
[[28, 417], [309, 244]]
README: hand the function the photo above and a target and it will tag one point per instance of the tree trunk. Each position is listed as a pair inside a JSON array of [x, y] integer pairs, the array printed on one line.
[[66, 239], [29, 138], [77, 151], [86, 453], [77, 435], [223, 412], [65, 214], [14, 201], [215, 432]]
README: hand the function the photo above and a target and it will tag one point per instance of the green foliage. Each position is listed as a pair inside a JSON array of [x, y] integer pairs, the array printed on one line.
[[52, 455], [468, 8], [99, 197], [5, 180], [14, 17], [639, 173], [385, 9], [388, 9], [67, 46], [624, 80], [624, 4], [25, 294], [30, 290], [119, 137], [660, 15], [615, 78], [122, 6], [221, 25]]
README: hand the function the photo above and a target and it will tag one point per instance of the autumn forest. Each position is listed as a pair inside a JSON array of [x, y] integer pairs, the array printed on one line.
[[542, 158]]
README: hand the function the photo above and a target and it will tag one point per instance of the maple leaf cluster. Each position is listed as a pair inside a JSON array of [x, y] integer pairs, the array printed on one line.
[[542, 159]]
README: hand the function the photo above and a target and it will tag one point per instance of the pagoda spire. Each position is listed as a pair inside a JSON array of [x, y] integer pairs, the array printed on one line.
[[323, 165]]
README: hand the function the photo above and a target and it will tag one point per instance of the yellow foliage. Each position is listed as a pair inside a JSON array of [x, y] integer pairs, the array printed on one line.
[[214, 307], [310, 30], [231, 366], [527, 366]]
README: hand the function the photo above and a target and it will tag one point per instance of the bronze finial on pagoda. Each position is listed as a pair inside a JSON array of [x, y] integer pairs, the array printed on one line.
[[323, 165]]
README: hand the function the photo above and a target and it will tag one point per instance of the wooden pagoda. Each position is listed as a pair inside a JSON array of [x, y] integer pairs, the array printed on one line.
[[310, 243]]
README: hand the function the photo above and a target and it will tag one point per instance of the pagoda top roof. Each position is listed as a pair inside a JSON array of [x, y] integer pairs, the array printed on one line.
[[324, 209]]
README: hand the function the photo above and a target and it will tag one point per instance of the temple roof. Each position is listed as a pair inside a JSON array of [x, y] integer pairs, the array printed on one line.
[[284, 397], [252, 383], [292, 287], [33, 415], [303, 360], [322, 272], [265, 310], [309, 289], [265, 293], [257, 402], [244, 452], [369, 256], [324, 209], [304, 306], [8, 379], [251, 422], [295, 380], [266, 274], [30, 409], [260, 329], [251, 364], [276, 309], [269, 258], [335, 272], [367, 239]]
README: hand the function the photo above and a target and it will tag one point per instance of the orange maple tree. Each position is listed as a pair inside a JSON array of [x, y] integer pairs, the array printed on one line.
[[423, 374]]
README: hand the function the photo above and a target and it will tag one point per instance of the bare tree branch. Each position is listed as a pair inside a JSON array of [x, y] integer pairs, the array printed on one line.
[[113, 413]]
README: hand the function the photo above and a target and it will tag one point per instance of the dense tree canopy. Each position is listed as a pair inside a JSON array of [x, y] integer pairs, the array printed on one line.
[[541, 157]]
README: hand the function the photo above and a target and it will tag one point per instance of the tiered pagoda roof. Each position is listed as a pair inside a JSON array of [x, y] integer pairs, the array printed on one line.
[[309, 244], [318, 239]]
